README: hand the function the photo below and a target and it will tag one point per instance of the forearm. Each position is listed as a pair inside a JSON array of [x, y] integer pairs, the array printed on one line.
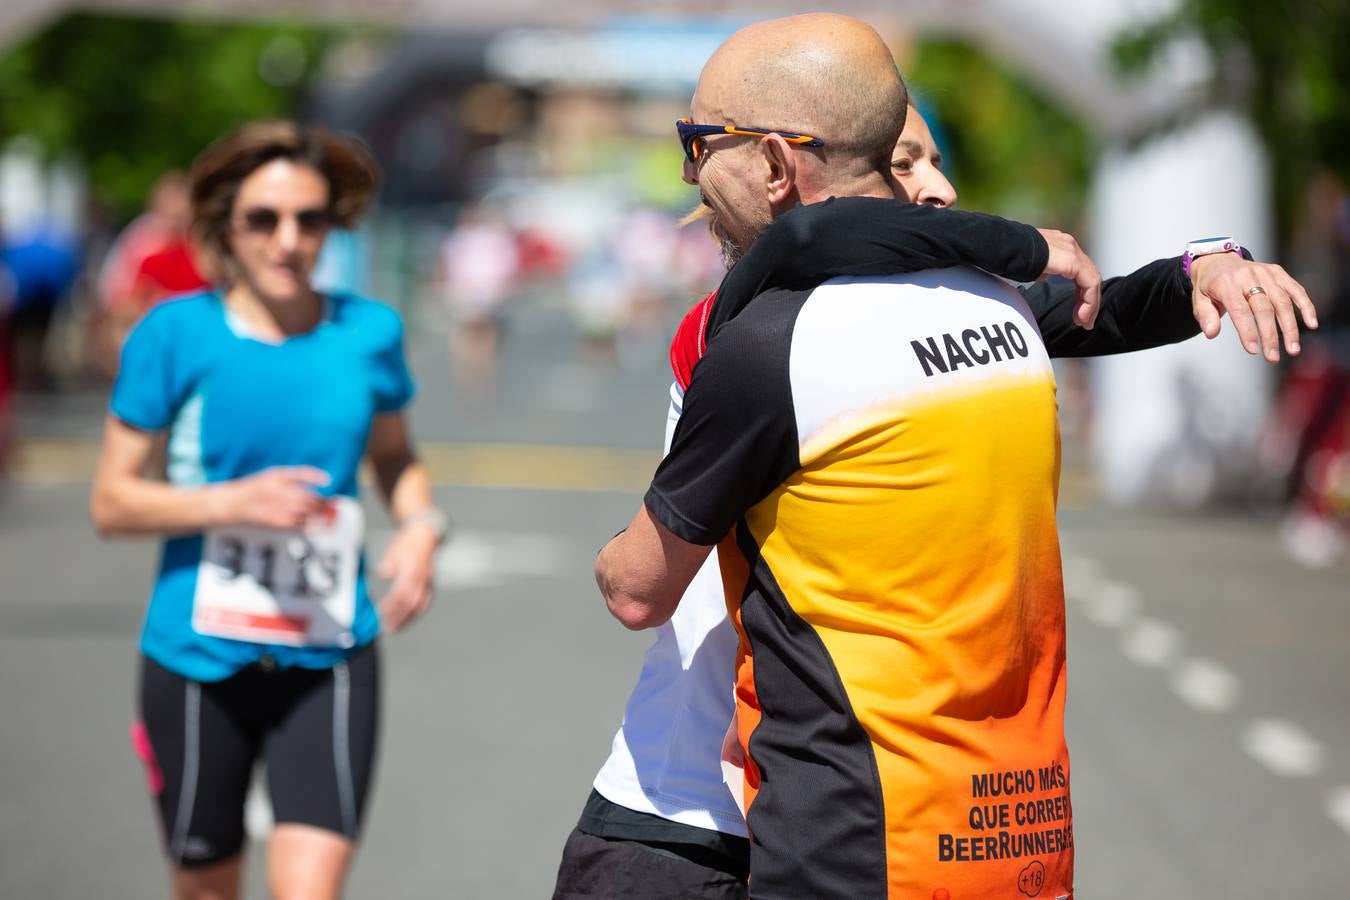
[[131, 505], [1148, 308], [404, 483], [643, 572], [868, 236], [629, 587]]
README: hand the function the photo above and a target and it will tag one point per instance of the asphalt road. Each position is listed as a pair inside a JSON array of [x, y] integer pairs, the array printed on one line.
[[1209, 711]]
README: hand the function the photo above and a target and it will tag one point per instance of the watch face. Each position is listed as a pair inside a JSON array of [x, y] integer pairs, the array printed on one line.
[[1219, 244]]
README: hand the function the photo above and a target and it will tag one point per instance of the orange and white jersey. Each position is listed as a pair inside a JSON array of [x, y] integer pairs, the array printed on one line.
[[884, 454]]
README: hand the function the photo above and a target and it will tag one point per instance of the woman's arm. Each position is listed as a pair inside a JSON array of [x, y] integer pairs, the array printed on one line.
[[405, 484], [865, 236], [124, 501], [1158, 304]]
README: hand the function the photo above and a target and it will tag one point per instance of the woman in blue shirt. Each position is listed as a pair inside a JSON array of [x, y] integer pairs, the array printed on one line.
[[259, 642]]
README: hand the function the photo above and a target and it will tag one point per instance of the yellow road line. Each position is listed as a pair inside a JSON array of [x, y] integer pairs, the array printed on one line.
[[536, 467], [539, 467]]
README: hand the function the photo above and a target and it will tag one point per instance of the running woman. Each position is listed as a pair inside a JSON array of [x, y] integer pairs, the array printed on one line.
[[260, 639]]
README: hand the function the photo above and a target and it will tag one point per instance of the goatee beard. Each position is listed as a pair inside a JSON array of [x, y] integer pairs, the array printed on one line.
[[731, 254]]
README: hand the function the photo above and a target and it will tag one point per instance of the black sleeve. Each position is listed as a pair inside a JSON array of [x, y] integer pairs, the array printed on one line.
[[871, 236], [1145, 309], [736, 440]]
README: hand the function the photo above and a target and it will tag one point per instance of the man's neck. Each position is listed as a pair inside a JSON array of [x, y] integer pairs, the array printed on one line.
[[873, 184]]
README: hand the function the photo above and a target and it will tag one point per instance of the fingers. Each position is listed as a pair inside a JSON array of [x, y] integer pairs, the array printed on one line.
[[1240, 313], [1299, 296], [305, 475], [388, 563], [1263, 301], [407, 598], [1263, 312], [1284, 305], [393, 611], [1068, 260], [1088, 296], [1207, 315]]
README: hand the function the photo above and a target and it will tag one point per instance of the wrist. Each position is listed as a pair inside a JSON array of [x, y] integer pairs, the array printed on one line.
[[428, 520], [1207, 247], [1201, 268], [218, 505]]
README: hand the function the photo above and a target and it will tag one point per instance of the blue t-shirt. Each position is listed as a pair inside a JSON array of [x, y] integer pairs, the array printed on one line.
[[234, 405]]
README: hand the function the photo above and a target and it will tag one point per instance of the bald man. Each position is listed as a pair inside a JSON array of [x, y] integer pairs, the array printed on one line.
[[651, 848], [883, 454]]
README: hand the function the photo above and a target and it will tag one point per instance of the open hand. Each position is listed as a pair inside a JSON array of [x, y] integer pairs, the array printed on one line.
[[1260, 299], [410, 564]]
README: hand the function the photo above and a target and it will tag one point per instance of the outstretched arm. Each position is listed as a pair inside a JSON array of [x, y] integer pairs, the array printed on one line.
[[1157, 305]]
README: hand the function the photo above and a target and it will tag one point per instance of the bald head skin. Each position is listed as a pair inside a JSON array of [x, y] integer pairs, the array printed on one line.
[[821, 74]]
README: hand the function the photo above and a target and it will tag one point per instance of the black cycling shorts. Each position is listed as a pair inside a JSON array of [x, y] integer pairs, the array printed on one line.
[[314, 728]]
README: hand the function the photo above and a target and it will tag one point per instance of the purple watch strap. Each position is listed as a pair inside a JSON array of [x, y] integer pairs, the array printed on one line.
[[1228, 247]]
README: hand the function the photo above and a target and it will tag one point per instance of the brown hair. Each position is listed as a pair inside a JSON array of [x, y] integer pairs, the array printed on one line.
[[350, 170]]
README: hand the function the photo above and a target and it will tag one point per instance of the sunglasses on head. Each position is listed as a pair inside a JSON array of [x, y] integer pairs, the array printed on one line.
[[264, 220], [693, 137]]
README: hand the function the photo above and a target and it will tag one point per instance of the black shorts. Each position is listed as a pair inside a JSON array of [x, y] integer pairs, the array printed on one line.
[[616, 853], [596, 868], [314, 728]]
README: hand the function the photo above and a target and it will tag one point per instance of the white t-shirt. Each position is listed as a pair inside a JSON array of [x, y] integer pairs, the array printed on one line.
[[666, 758]]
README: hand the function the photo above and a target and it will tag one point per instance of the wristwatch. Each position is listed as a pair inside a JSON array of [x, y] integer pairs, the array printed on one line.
[[433, 517], [1206, 246]]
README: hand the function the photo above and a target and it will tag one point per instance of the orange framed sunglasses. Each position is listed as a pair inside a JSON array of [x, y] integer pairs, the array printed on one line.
[[692, 136]]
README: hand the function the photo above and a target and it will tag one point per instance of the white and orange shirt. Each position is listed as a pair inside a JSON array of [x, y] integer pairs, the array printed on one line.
[[884, 454]]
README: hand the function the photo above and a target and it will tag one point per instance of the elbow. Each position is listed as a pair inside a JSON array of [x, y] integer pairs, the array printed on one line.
[[633, 613], [103, 514]]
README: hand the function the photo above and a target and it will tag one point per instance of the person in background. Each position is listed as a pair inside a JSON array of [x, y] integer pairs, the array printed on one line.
[[44, 263], [6, 378], [260, 639], [151, 259]]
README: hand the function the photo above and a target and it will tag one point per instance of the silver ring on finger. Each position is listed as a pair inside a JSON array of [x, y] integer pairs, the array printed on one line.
[[1253, 291]]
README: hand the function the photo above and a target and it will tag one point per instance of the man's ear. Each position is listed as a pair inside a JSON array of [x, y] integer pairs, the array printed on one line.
[[780, 173]]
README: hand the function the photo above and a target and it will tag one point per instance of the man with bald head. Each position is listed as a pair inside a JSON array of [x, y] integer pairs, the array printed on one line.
[[881, 456], [825, 74]]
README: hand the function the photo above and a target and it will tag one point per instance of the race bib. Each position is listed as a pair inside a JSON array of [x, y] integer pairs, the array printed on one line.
[[282, 587]]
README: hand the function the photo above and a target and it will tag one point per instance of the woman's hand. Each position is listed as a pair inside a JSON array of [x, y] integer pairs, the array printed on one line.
[[280, 497], [410, 564]]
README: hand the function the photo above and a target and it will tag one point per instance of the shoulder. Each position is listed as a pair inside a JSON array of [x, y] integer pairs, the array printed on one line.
[[178, 313], [373, 318], [690, 341], [756, 344]]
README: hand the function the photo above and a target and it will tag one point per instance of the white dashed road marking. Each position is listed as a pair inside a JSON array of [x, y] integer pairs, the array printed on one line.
[[1112, 605], [1152, 643], [1206, 685], [1283, 748], [1338, 807]]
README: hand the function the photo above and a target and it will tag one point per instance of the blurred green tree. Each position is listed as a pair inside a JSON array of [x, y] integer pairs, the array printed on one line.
[[1008, 148], [1286, 64], [131, 98]]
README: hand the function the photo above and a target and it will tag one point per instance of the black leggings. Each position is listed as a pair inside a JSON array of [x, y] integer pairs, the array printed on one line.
[[314, 728]]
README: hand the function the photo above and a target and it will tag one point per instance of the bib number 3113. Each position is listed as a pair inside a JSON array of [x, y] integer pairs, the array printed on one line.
[[296, 588]]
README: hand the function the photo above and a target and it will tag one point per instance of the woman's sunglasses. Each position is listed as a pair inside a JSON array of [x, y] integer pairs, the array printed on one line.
[[262, 220]]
